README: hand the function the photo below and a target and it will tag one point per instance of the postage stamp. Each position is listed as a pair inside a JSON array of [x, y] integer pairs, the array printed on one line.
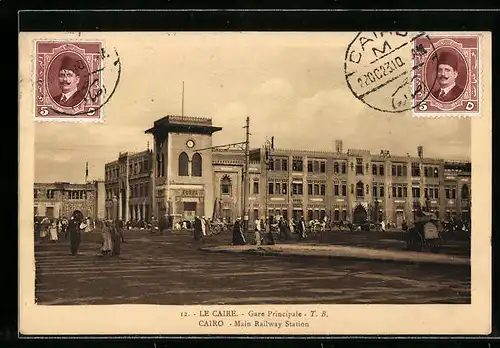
[[69, 81], [457, 88]]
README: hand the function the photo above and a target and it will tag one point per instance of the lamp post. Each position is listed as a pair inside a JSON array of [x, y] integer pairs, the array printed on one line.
[[268, 148]]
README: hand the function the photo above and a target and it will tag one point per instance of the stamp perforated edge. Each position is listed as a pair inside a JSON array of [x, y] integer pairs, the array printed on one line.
[[75, 119], [461, 114]]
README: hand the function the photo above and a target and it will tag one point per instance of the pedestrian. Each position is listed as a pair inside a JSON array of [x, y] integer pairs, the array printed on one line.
[[106, 240], [203, 226], [197, 233], [119, 228], [117, 237], [88, 229], [257, 232], [382, 226], [53, 231], [74, 229], [238, 237], [301, 229]]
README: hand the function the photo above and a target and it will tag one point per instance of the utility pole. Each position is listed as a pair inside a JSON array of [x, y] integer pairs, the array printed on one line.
[[246, 181]]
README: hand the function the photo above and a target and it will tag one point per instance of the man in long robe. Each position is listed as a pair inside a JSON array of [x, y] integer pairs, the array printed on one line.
[[74, 232], [117, 237], [197, 234]]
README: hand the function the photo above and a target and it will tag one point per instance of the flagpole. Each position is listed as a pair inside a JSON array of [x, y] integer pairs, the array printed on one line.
[[182, 114], [86, 172]]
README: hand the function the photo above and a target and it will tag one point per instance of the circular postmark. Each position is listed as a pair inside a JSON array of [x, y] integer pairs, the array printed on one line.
[[89, 81], [380, 68]]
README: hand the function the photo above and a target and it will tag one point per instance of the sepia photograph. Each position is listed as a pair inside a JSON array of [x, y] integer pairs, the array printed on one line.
[[255, 183]]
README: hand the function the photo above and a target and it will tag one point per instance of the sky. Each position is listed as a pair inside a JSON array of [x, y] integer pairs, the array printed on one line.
[[291, 85]]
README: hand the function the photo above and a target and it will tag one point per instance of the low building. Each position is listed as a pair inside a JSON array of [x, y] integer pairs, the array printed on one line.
[[184, 176], [60, 199]]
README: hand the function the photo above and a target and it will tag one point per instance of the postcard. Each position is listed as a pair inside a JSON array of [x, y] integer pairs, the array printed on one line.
[[255, 183]]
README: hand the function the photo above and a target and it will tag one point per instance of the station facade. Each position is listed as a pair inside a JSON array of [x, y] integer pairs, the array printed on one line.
[[182, 176]]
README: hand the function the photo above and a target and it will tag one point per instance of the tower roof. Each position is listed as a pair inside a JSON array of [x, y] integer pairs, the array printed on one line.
[[183, 124]]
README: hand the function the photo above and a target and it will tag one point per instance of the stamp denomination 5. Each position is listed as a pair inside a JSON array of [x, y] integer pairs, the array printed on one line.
[[69, 81]]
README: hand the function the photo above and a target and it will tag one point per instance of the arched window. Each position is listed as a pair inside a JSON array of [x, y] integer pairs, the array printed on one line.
[[225, 185], [196, 163], [183, 164], [359, 189], [465, 192]]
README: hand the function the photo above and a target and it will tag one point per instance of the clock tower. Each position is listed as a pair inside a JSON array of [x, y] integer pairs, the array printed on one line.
[[182, 172]]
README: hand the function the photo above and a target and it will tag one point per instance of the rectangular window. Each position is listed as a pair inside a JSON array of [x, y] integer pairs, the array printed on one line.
[[277, 189], [400, 191], [405, 171], [436, 172], [322, 167], [425, 192], [297, 189], [284, 165], [394, 191], [393, 170], [405, 191], [399, 170], [309, 189], [344, 215], [381, 170], [316, 167], [336, 215], [316, 189], [415, 169], [284, 188], [447, 193], [255, 188], [336, 189], [415, 192], [297, 165], [309, 166], [344, 190], [271, 165], [336, 167], [359, 169], [359, 190], [271, 188], [374, 191], [381, 190], [323, 189], [344, 168], [453, 193], [374, 169], [431, 192], [277, 164], [436, 193]]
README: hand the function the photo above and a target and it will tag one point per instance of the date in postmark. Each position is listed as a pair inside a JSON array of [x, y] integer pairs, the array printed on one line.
[[457, 87], [379, 69], [70, 85]]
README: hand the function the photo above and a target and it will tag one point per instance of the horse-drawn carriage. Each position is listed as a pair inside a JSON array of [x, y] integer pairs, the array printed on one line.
[[425, 234]]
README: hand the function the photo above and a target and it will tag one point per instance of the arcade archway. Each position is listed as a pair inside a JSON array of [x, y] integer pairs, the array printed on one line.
[[359, 215]]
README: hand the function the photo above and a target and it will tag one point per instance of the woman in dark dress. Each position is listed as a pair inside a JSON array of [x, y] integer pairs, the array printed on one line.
[[238, 237]]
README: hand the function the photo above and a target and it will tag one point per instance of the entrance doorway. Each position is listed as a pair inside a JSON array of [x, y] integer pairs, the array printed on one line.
[[359, 215], [189, 210], [399, 218]]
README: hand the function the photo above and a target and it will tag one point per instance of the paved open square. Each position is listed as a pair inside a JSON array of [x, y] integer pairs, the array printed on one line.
[[172, 270]]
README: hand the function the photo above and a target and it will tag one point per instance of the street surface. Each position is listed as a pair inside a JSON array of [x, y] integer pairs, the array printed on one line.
[[170, 270]]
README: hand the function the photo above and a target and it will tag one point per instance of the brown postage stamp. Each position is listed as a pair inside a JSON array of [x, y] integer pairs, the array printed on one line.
[[69, 81], [255, 183], [448, 79]]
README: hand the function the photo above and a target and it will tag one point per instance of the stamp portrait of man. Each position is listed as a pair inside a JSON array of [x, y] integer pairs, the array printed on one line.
[[68, 82], [448, 90]]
